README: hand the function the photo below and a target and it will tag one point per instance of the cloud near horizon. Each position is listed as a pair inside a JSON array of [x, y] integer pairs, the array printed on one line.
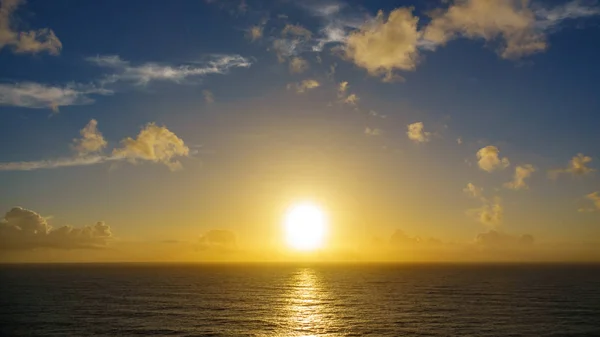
[[24, 229], [154, 144], [577, 167], [522, 172]]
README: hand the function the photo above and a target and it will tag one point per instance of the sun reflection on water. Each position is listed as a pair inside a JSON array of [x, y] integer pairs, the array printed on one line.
[[307, 304]]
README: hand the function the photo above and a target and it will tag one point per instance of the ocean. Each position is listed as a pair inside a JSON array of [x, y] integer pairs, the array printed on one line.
[[299, 300]]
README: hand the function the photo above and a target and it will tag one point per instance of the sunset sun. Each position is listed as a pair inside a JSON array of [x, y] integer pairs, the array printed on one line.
[[305, 227]]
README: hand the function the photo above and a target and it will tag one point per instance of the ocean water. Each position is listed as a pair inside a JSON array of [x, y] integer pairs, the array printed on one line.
[[299, 300]]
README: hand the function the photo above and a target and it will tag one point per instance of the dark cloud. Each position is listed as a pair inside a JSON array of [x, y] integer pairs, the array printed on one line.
[[25, 229]]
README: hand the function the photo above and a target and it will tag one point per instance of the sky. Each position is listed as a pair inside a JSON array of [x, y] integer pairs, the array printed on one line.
[[462, 130]]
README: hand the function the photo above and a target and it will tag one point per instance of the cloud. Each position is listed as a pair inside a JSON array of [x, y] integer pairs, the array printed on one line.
[[342, 89], [150, 72], [595, 199], [459, 141], [40, 96], [351, 99], [384, 45], [91, 140], [25, 229], [298, 65], [522, 172], [255, 33], [209, 97], [521, 28], [497, 239], [304, 86], [577, 167], [296, 30], [417, 134], [473, 191], [218, 239], [490, 214], [488, 159], [33, 41], [154, 143], [373, 131]]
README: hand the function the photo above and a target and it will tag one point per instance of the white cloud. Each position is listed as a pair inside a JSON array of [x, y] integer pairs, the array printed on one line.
[[351, 99], [296, 30], [417, 134], [25, 229], [577, 167], [149, 72], [298, 65], [459, 141], [39, 96], [304, 86], [33, 41], [91, 140], [489, 160], [522, 172], [384, 45], [154, 143], [209, 97]]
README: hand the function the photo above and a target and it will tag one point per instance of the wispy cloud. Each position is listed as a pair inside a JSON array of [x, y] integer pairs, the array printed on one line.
[[522, 172], [304, 86], [578, 166], [39, 96], [142, 74], [209, 97], [33, 41], [153, 144]]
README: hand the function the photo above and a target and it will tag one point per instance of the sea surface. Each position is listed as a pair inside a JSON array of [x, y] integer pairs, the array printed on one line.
[[299, 300]]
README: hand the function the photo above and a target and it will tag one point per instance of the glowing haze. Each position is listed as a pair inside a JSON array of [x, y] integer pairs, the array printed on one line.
[[459, 130]]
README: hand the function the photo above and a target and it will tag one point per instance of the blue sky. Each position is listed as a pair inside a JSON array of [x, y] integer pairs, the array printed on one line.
[[166, 119]]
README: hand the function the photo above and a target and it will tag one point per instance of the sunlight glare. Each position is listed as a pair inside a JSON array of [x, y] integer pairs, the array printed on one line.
[[305, 227]]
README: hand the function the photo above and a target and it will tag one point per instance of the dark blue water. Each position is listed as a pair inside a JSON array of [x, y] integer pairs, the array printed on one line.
[[295, 300]]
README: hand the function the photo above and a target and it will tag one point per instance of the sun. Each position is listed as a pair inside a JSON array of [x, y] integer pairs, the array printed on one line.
[[305, 227]]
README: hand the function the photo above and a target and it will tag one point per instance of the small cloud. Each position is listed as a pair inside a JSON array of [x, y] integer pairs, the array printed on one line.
[[25, 229], [490, 214], [488, 159], [342, 89], [255, 33], [218, 239], [522, 172], [459, 141], [91, 140], [577, 167], [417, 134], [209, 97], [296, 30], [384, 45], [352, 99], [298, 65], [595, 199], [373, 131], [304, 86], [33, 41], [473, 191]]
